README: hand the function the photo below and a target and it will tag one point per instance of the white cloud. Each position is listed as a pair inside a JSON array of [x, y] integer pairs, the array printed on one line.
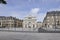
[[29, 0], [41, 16], [54, 9], [18, 14], [34, 11], [14, 14]]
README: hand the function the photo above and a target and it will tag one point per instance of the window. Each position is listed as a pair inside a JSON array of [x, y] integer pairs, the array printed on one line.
[[25, 26], [29, 18], [58, 23], [29, 22], [33, 25], [45, 24], [0, 23], [29, 26]]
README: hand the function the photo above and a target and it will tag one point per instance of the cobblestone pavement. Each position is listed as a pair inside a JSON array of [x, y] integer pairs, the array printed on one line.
[[28, 36]]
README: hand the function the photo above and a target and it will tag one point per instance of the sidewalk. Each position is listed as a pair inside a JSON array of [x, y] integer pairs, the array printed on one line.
[[16, 30]]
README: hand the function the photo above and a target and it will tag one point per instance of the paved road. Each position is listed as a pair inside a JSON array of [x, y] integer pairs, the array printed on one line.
[[29, 36]]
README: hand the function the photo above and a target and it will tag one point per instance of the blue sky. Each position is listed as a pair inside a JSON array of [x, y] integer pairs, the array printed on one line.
[[22, 8]]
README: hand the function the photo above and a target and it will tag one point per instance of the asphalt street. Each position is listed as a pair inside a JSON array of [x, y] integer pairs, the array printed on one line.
[[28, 36]]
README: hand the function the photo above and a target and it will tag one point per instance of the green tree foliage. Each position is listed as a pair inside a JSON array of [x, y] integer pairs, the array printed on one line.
[[3, 2]]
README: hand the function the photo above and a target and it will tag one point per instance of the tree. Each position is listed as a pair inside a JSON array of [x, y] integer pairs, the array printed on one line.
[[3, 2]]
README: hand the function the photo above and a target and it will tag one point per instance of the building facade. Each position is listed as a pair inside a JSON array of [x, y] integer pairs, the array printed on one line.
[[52, 19], [29, 22], [10, 22], [39, 24]]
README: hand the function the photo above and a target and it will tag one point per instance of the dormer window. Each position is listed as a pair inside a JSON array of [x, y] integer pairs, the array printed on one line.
[[29, 18]]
